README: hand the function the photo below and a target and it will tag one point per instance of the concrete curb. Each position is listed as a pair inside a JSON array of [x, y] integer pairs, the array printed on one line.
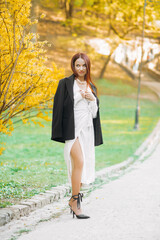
[[56, 193]]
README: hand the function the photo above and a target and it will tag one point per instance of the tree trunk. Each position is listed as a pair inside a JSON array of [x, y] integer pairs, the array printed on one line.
[[105, 66], [69, 8]]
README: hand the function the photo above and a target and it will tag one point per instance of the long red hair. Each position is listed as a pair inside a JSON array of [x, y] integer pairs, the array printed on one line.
[[87, 76]]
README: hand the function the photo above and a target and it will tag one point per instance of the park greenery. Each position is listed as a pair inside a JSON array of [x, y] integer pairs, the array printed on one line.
[[30, 163]]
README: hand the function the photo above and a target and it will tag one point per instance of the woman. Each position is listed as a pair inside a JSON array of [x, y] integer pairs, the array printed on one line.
[[76, 122]]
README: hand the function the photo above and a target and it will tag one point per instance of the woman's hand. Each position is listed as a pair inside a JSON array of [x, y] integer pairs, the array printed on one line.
[[87, 95]]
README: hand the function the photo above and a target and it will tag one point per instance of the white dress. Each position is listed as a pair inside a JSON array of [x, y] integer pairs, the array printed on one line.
[[84, 112]]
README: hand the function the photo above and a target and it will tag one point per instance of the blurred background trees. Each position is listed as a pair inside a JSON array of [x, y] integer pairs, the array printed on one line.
[[113, 20]]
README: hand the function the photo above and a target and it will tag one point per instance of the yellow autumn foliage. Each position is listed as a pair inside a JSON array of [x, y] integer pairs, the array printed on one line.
[[27, 85]]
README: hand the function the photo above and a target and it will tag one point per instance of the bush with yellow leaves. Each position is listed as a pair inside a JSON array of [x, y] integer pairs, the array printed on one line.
[[27, 85]]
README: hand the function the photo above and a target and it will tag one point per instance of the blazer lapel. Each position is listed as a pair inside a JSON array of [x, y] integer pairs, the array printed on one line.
[[69, 84]]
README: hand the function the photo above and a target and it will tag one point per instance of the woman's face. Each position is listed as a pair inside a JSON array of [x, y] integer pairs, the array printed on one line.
[[80, 67]]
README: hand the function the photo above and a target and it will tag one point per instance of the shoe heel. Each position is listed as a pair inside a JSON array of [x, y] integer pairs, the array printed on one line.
[[78, 198]]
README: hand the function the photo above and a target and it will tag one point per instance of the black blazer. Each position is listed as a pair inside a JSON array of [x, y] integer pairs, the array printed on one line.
[[63, 127]]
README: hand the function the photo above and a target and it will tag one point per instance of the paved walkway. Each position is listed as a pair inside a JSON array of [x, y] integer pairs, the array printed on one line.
[[125, 209], [150, 82], [146, 79]]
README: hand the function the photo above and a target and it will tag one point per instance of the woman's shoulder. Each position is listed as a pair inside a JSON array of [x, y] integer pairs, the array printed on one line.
[[62, 81]]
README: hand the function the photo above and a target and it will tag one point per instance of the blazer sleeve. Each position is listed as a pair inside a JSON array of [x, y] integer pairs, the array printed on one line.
[[96, 123], [57, 134]]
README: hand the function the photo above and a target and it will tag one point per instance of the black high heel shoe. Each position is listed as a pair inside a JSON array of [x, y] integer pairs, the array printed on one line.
[[79, 199]]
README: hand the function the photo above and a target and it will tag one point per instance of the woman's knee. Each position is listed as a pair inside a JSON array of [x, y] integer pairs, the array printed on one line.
[[78, 163]]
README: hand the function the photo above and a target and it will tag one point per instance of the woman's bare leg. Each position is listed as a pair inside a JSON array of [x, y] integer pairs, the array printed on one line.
[[77, 167]]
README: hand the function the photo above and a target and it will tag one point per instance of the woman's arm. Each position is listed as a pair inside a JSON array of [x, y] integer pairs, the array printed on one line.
[[58, 111]]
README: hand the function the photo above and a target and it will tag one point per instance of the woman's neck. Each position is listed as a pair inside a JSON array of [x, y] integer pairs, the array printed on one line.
[[81, 79]]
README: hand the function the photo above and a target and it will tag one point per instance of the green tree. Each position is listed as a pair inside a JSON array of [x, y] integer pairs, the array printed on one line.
[[118, 19], [125, 17]]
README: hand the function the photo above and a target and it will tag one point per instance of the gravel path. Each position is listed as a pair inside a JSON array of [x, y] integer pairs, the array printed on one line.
[[125, 209]]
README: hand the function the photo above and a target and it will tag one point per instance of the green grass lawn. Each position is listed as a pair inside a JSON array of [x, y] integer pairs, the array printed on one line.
[[120, 138], [33, 163]]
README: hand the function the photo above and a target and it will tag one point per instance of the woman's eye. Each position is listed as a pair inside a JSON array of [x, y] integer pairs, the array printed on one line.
[[84, 66]]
